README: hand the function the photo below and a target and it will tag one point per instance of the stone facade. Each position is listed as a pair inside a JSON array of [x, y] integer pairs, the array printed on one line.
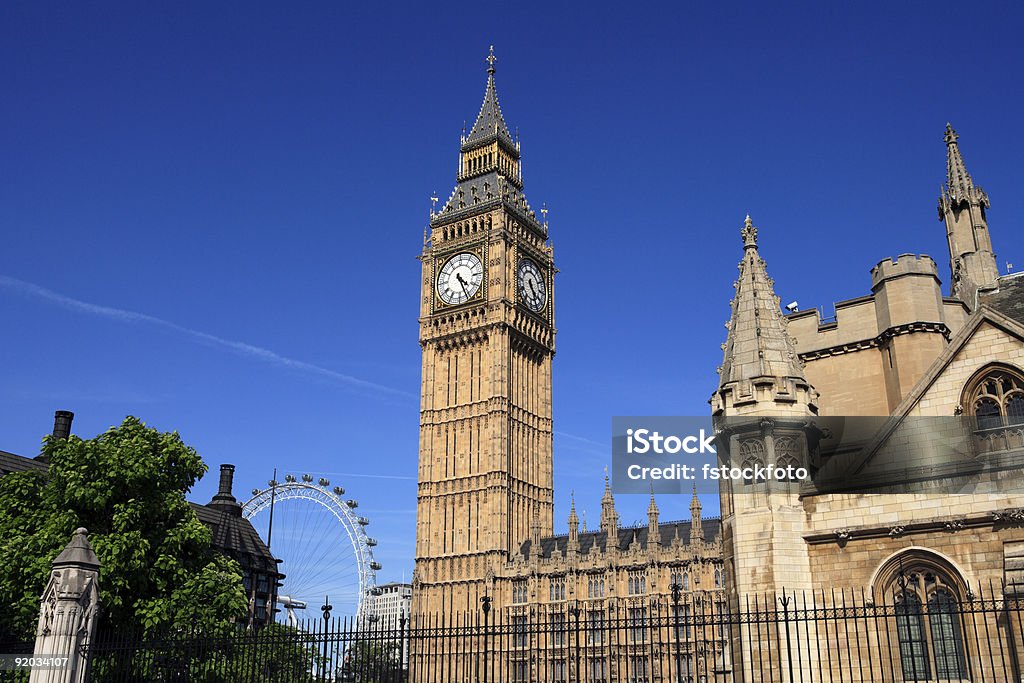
[[911, 354], [905, 351]]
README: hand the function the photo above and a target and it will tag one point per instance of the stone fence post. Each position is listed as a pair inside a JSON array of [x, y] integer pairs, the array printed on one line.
[[67, 615]]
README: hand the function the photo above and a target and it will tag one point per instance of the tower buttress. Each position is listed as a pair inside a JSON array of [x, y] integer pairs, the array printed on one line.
[[962, 207]]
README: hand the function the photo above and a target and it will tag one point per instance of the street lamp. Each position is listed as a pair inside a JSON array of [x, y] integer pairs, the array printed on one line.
[[676, 591], [485, 603]]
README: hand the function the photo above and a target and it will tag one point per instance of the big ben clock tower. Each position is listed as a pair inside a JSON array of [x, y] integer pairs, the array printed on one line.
[[487, 334]]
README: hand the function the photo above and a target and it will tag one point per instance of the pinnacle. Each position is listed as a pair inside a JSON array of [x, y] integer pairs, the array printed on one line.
[[959, 184], [749, 233]]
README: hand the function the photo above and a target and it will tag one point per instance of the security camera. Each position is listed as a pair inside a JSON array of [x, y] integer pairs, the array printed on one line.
[[792, 307]]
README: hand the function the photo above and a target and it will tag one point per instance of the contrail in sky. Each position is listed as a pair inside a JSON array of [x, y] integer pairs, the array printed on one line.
[[239, 348]]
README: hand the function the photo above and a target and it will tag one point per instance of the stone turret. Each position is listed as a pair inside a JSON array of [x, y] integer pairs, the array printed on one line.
[[764, 403], [962, 207]]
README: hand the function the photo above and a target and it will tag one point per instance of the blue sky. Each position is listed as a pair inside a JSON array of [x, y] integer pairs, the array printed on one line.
[[211, 211]]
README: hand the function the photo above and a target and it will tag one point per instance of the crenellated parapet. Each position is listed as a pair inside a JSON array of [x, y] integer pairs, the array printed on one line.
[[902, 266]]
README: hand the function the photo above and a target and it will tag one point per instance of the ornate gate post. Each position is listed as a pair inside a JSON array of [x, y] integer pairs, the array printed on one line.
[[67, 615]]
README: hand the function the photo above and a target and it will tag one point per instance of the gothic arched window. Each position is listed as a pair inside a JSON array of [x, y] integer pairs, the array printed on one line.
[[996, 397], [926, 594]]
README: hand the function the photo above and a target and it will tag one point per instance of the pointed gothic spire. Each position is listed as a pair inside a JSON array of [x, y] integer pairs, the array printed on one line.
[[758, 344], [962, 207], [652, 507], [758, 348], [959, 185], [489, 121], [574, 526], [696, 530], [653, 532], [609, 518]]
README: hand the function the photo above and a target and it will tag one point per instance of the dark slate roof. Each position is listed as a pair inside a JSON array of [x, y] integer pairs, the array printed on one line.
[[492, 188], [235, 536], [9, 462], [489, 122], [1008, 299], [711, 528]]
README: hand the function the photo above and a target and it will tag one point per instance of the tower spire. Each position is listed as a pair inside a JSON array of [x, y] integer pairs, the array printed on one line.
[[489, 122], [609, 517], [653, 532], [963, 206], [758, 348], [574, 526], [696, 531], [490, 164]]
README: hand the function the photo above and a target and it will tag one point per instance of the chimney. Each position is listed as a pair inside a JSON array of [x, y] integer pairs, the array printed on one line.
[[224, 500], [62, 424]]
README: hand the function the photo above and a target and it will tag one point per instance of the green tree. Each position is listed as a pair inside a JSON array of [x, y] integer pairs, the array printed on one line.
[[127, 486]]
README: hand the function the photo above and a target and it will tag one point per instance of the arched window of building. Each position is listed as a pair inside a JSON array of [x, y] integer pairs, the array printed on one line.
[[925, 591], [718, 578], [995, 394], [686, 581]]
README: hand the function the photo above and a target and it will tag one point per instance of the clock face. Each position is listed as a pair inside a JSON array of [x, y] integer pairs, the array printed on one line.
[[460, 278], [530, 282]]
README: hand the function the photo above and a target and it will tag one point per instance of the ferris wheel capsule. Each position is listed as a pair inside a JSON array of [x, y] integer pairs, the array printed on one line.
[[324, 482], [352, 503], [338, 491], [290, 478], [308, 478]]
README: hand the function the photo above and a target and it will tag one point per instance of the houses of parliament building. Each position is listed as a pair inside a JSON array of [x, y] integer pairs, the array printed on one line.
[[906, 350]]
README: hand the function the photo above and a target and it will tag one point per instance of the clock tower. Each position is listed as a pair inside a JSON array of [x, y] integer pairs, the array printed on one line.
[[488, 338]]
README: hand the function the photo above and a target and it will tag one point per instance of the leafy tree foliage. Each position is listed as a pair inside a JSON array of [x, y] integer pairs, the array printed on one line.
[[127, 487]]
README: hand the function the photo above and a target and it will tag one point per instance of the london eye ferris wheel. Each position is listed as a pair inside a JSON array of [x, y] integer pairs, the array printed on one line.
[[325, 552]]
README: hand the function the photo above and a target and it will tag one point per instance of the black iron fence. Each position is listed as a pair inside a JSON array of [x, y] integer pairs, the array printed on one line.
[[922, 632]]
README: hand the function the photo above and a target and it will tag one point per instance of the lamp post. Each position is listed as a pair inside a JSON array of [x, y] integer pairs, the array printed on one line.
[[575, 612], [401, 645], [485, 604], [326, 609], [676, 590]]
